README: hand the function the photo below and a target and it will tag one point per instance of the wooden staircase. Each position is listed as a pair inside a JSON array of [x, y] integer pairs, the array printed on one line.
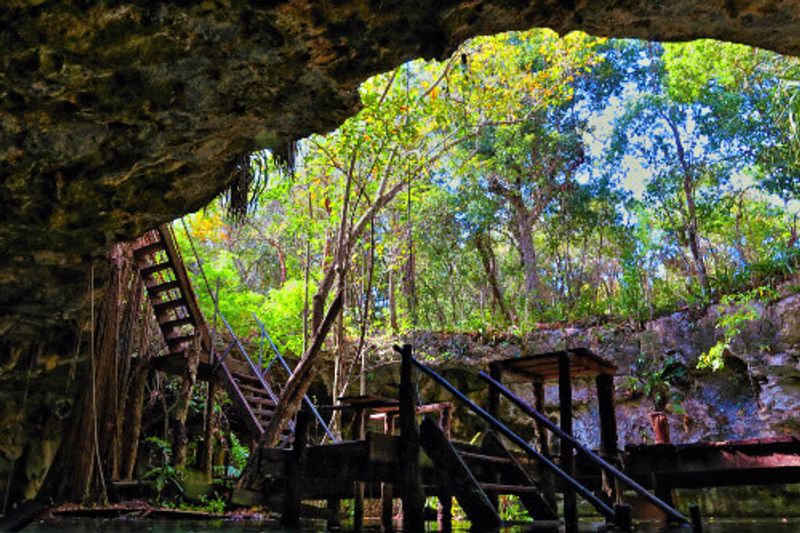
[[184, 328], [477, 476]]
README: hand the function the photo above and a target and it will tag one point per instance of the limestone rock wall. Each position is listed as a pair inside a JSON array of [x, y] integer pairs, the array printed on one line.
[[756, 395]]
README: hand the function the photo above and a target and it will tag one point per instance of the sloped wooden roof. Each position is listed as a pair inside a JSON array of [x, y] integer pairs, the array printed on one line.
[[544, 366]]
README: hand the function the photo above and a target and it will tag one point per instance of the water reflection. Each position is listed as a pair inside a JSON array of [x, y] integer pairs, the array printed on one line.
[[140, 525]]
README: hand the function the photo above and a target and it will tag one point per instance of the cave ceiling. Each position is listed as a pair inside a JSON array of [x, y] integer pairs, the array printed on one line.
[[117, 116]]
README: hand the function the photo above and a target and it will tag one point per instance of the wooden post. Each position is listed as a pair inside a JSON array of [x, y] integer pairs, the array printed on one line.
[[295, 470], [608, 429], [358, 496], [548, 482], [567, 457], [541, 433], [413, 494], [444, 516], [697, 520], [387, 507], [622, 517], [494, 396], [662, 488], [333, 507]]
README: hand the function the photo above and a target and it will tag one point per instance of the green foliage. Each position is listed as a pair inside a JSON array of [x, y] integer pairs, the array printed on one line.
[[739, 310], [529, 179], [167, 480], [657, 379], [239, 456]]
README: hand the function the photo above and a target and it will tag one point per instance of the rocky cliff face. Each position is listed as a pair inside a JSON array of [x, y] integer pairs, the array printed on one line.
[[756, 395], [117, 116]]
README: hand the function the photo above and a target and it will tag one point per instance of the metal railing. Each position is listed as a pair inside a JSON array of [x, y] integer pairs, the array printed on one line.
[[596, 502], [279, 357]]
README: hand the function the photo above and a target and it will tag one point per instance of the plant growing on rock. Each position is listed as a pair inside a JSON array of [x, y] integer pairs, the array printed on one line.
[[739, 310], [658, 381]]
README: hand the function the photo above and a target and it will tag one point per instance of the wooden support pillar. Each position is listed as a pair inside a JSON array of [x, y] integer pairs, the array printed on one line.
[[387, 490], [548, 482], [567, 462], [494, 395], [494, 409], [444, 517], [413, 494], [295, 470], [333, 507], [608, 430], [541, 431], [622, 517], [697, 520], [358, 496], [662, 488]]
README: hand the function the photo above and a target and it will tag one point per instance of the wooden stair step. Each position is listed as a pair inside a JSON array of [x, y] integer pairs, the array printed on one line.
[[259, 400], [169, 324], [499, 488], [251, 389], [177, 341], [156, 287], [482, 458], [169, 304], [265, 414], [148, 249], [152, 269], [249, 377]]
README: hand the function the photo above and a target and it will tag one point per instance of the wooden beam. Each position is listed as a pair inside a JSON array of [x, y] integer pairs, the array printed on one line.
[[387, 504], [608, 429], [296, 471], [456, 478], [567, 457], [413, 493], [494, 397]]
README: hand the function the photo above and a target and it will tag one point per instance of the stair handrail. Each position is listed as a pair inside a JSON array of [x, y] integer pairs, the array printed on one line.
[[252, 365], [596, 502], [282, 361], [594, 457]]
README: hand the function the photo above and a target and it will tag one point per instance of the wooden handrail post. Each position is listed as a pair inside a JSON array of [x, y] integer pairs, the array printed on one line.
[[295, 470], [567, 454], [413, 495], [608, 430]]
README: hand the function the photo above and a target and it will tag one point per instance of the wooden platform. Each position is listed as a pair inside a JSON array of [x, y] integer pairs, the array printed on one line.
[[772, 461], [374, 460]]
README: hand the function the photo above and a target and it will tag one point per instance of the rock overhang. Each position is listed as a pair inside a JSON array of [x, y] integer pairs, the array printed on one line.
[[118, 116]]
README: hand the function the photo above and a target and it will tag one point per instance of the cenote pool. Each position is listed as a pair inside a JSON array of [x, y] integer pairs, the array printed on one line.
[[778, 525]]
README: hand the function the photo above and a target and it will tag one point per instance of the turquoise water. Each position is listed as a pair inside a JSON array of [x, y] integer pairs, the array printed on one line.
[[79, 525]]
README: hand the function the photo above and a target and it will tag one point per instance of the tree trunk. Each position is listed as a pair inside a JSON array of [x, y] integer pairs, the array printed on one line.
[[181, 410], [691, 212], [300, 380], [208, 442], [524, 232], [133, 421], [81, 467], [392, 302], [694, 241], [486, 253]]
